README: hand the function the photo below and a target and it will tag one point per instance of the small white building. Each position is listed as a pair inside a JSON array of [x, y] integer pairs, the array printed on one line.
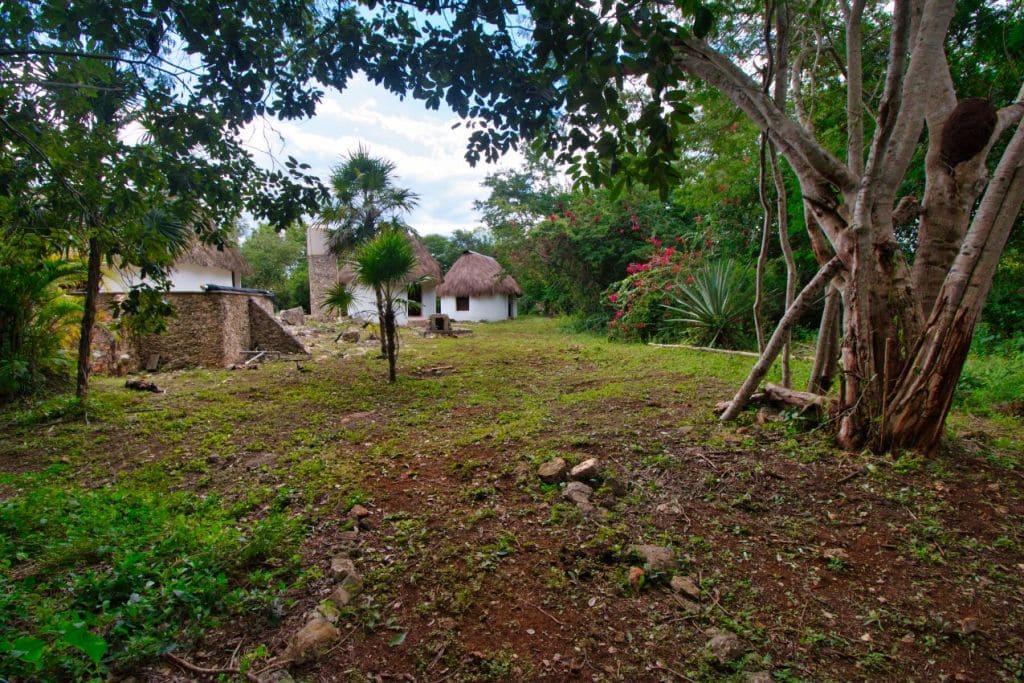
[[476, 288], [201, 264], [324, 272]]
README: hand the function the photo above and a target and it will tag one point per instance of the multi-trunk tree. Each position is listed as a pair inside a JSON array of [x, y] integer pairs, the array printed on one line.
[[907, 313]]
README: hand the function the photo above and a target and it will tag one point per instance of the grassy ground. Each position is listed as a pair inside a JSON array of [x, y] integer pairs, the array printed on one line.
[[202, 520]]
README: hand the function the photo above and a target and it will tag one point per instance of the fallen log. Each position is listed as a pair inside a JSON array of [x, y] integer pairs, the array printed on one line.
[[142, 385], [804, 400]]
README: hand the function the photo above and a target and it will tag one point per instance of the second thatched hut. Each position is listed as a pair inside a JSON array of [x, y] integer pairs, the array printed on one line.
[[477, 288]]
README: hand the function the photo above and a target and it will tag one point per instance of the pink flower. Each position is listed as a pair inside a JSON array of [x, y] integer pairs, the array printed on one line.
[[613, 297]]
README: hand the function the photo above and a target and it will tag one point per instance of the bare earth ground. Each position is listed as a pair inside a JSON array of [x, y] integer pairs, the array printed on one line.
[[473, 569]]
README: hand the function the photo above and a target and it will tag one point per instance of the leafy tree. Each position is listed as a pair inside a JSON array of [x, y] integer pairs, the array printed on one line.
[[278, 260], [111, 110], [448, 248], [384, 264], [907, 326], [569, 257]]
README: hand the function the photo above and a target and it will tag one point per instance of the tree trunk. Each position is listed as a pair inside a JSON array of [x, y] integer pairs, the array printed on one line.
[[774, 346], [380, 321], [902, 354], [922, 396], [787, 254], [762, 255], [826, 351], [390, 347], [92, 292]]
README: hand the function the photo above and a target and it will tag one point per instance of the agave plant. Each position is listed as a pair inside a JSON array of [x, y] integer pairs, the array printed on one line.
[[713, 303]]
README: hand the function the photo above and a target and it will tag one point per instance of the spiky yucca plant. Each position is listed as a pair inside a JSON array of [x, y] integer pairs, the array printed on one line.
[[713, 304]]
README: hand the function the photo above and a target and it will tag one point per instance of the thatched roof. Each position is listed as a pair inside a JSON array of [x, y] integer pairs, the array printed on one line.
[[478, 275], [228, 258], [426, 265]]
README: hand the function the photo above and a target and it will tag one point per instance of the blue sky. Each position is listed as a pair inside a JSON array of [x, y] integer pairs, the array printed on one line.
[[427, 151]]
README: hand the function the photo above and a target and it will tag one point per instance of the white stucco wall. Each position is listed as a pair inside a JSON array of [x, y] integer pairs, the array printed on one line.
[[188, 277], [481, 308], [364, 304]]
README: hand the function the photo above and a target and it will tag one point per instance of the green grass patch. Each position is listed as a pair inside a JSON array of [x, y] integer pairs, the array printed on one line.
[[93, 580]]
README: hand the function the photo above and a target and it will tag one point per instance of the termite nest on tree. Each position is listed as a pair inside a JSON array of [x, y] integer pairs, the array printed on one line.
[[967, 130]]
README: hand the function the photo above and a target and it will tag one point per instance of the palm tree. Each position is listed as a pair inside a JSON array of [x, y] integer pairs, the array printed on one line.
[[384, 263], [366, 202]]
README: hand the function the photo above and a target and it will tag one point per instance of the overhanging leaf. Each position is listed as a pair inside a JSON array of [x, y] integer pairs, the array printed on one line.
[[89, 643]]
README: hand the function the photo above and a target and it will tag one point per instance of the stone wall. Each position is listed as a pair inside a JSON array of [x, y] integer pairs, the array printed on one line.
[[323, 274], [266, 332], [209, 329]]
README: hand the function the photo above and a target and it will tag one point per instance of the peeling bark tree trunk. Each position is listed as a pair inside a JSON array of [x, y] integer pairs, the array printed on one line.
[[906, 328], [92, 293], [924, 393]]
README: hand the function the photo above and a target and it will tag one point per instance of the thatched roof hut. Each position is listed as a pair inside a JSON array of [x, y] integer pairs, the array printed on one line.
[[426, 265], [209, 256], [478, 275]]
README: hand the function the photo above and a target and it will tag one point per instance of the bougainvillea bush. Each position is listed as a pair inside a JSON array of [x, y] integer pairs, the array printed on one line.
[[638, 301], [683, 293]]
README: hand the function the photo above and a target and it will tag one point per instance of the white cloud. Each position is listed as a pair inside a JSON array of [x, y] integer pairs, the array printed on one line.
[[427, 151]]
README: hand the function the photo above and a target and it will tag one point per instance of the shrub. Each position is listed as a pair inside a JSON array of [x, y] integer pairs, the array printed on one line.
[[638, 301], [95, 580], [713, 305], [37, 319]]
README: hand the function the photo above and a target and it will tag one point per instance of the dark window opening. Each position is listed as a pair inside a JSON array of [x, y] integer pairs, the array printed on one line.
[[462, 303], [415, 298]]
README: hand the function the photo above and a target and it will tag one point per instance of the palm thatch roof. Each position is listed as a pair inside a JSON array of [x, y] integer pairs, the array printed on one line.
[[426, 265], [478, 275], [228, 258]]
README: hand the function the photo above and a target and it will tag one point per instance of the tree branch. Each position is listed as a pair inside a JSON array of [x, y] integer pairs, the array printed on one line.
[[928, 89], [803, 152], [854, 87], [49, 163], [775, 344]]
